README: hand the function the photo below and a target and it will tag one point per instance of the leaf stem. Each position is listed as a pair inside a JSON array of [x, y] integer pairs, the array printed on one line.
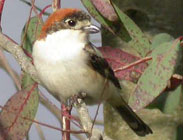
[[56, 5], [133, 64], [1, 10]]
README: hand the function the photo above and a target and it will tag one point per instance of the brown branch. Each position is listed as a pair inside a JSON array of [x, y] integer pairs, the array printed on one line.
[[10, 71], [87, 123], [56, 5], [19, 55], [49, 105]]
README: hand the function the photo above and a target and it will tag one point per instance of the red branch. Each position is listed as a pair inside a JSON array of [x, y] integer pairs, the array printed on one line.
[[44, 10], [133, 64], [56, 4], [53, 127], [65, 122], [1, 10], [22, 106]]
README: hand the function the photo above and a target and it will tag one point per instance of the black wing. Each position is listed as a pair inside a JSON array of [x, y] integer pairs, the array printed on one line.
[[100, 65]]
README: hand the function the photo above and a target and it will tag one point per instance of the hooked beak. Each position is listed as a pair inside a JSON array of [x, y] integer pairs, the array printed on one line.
[[92, 29]]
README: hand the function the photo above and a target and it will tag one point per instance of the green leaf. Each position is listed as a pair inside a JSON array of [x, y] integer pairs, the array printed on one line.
[[139, 41], [33, 31], [161, 38], [16, 116], [115, 27], [155, 78], [173, 100]]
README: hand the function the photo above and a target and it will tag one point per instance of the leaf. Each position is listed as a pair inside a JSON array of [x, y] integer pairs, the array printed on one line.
[[139, 41], [13, 118], [106, 9], [33, 30], [173, 100], [161, 38], [118, 58], [155, 78], [114, 27]]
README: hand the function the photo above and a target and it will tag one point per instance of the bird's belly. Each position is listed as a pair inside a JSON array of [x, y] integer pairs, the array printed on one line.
[[67, 78]]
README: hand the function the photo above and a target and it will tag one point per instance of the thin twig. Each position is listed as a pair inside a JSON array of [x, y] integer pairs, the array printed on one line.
[[40, 132], [1, 10], [8, 68], [56, 5], [36, 12], [39, 9], [56, 128], [133, 64], [43, 11], [101, 96], [50, 106]]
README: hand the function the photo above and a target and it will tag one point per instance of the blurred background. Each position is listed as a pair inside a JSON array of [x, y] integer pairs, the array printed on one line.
[[15, 14]]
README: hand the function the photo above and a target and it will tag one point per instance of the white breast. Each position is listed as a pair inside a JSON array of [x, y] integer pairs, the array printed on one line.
[[62, 66], [61, 45], [61, 62]]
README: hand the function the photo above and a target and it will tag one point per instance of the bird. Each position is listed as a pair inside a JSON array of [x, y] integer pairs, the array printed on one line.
[[68, 64]]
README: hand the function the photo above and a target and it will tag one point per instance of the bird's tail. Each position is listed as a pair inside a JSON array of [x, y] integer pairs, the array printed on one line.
[[131, 118]]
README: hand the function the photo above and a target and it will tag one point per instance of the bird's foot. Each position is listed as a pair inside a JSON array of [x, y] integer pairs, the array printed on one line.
[[74, 99]]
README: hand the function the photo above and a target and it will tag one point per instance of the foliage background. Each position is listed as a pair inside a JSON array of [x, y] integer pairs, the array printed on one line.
[[15, 14], [164, 16]]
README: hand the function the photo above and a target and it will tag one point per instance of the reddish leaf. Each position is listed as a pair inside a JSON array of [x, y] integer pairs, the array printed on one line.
[[22, 105], [174, 83], [106, 9], [118, 58]]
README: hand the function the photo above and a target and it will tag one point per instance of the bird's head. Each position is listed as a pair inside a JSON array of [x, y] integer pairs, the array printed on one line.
[[73, 19]]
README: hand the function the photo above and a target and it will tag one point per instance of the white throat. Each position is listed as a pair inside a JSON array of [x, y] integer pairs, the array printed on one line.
[[61, 45]]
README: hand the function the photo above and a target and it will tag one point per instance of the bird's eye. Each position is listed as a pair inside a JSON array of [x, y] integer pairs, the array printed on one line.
[[72, 23]]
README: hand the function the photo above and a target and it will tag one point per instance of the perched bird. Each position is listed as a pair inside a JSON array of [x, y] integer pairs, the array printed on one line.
[[67, 65]]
